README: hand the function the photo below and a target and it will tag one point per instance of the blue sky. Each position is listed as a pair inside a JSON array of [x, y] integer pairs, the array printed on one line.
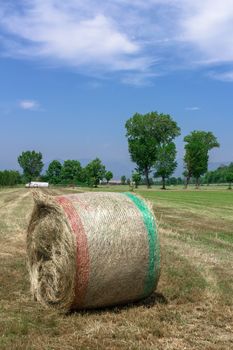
[[72, 73]]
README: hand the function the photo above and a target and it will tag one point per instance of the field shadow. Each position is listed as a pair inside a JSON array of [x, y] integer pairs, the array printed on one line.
[[154, 299]]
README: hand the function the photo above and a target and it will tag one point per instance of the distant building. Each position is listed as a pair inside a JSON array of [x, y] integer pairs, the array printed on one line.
[[111, 182], [35, 184], [115, 182]]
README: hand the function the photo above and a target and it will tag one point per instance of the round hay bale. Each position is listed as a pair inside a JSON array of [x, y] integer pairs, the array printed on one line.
[[92, 250]]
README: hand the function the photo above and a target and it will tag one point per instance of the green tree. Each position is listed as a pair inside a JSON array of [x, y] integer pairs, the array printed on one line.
[[71, 171], [208, 177], [146, 133], [136, 177], [198, 145], [14, 177], [31, 163], [166, 163], [123, 179], [95, 171], [9, 178], [229, 178], [219, 175], [108, 176], [173, 181], [53, 172], [179, 181]]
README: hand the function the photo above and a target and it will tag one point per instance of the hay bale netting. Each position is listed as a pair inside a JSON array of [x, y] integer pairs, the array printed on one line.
[[92, 250]]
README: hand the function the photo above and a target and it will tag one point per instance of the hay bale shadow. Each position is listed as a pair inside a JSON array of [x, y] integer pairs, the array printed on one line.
[[149, 302], [154, 299]]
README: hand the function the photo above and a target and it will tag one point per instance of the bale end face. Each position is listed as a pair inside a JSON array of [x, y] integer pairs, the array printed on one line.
[[51, 254]]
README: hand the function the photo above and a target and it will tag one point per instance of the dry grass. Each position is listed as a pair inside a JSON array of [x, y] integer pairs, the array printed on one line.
[[192, 308]]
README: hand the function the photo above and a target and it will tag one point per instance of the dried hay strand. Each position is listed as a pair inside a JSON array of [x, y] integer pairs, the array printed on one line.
[[92, 250]]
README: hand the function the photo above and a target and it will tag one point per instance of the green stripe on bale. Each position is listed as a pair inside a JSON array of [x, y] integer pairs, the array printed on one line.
[[153, 241]]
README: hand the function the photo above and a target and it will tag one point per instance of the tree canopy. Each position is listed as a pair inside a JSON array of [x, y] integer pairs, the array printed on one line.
[[53, 172], [9, 178], [136, 177], [95, 171], [31, 163], [229, 178], [198, 145], [145, 135], [71, 171], [108, 176], [166, 163]]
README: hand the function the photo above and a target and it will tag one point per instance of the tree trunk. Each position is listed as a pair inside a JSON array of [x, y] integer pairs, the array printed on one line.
[[163, 183], [147, 178], [197, 183], [187, 182], [230, 187]]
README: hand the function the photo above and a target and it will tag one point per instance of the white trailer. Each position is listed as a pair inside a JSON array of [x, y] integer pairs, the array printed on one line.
[[36, 184]]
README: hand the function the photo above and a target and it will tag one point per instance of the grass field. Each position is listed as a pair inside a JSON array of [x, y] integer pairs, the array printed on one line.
[[191, 309]]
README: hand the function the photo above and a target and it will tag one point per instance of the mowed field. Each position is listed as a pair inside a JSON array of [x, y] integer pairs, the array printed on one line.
[[191, 309]]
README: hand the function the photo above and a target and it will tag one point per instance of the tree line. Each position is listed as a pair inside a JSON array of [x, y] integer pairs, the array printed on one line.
[[9, 178], [223, 174], [151, 143], [69, 173]]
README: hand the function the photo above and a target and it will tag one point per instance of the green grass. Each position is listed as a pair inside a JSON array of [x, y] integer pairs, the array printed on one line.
[[192, 307], [197, 200]]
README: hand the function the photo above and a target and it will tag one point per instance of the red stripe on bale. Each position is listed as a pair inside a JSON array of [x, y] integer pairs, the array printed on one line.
[[82, 256]]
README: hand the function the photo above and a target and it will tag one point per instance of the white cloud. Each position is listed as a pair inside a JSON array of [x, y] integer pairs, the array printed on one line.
[[97, 37], [29, 105], [192, 108], [138, 79], [208, 26], [70, 34], [225, 76]]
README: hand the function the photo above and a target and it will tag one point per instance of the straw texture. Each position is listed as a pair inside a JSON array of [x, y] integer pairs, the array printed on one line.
[[92, 250]]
